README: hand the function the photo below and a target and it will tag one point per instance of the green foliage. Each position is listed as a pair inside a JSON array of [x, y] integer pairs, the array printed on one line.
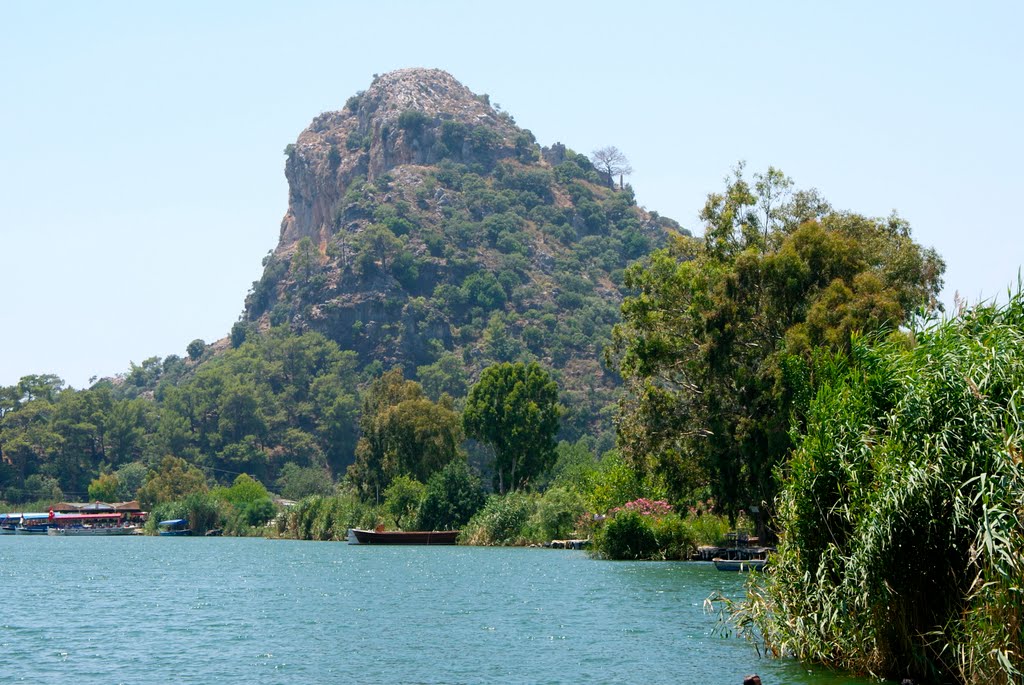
[[195, 349], [130, 478], [104, 488], [902, 530], [413, 121], [202, 511], [628, 535], [452, 496], [446, 375], [715, 341], [403, 433], [402, 500], [501, 521], [557, 514], [675, 537], [514, 409], [245, 490], [175, 480], [326, 518], [297, 482]]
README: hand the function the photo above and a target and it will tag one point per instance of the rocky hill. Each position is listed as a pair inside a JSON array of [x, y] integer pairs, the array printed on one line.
[[426, 230]]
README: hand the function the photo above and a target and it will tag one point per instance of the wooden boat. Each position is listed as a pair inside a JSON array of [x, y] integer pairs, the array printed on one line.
[[739, 565], [408, 537]]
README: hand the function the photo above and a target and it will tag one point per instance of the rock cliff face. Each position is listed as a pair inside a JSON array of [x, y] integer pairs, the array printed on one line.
[[426, 230], [369, 137]]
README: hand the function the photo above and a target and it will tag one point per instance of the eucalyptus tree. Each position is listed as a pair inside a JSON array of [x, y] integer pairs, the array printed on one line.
[[715, 341], [514, 409]]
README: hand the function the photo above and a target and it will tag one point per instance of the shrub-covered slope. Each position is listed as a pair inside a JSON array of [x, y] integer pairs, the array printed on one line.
[[426, 230]]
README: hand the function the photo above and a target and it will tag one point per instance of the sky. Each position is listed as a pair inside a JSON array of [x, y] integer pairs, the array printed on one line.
[[141, 144]]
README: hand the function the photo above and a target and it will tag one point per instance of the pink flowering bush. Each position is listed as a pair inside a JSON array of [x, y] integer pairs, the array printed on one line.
[[645, 507]]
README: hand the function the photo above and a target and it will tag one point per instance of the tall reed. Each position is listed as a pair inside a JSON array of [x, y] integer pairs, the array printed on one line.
[[902, 510]]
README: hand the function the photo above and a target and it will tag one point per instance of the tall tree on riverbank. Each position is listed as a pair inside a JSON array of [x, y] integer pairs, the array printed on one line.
[[714, 345], [514, 409]]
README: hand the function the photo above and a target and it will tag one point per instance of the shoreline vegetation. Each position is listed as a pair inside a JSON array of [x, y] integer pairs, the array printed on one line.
[[531, 356]]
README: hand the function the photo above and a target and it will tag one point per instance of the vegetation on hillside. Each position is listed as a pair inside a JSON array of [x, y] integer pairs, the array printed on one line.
[[443, 270]]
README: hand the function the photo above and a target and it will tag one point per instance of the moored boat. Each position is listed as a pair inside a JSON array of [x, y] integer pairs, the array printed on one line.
[[88, 525], [175, 528], [8, 522], [739, 565], [406, 537], [34, 524]]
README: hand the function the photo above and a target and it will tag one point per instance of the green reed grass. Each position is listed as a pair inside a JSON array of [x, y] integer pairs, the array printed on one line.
[[902, 510]]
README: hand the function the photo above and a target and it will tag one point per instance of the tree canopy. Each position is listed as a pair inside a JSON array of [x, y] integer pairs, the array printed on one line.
[[514, 409], [715, 343]]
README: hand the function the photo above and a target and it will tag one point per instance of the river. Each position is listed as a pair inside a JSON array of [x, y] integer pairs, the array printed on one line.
[[225, 610]]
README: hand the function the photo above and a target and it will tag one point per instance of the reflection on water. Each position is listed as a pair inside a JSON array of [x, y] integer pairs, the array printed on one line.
[[159, 610]]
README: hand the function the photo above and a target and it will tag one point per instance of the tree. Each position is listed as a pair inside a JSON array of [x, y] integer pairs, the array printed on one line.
[[609, 160], [514, 409], [452, 496], [104, 488], [402, 499], [403, 434], [195, 349], [911, 450], [175, 480], [715, 345]]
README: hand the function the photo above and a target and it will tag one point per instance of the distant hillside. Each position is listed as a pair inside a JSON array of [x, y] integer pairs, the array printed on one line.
[[425, 229]]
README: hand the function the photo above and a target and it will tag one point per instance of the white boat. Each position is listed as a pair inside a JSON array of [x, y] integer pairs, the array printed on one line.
[[739, 565]]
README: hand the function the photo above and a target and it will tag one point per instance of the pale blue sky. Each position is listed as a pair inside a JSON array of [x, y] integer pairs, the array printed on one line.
[[141, 165]]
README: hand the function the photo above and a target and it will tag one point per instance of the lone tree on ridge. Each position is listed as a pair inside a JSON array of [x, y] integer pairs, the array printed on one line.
[[611, 161]]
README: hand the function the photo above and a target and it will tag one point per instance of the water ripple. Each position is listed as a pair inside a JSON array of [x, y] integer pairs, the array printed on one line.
[[242, 610]]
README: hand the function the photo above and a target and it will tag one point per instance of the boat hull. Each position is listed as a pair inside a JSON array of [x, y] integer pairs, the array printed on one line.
[[175, 533], [412, 537], [90, 532], [739, 565]]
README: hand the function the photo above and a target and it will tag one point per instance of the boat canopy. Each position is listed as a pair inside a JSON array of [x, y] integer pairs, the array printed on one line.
[[174, 522], [34, 517], [87, 517]]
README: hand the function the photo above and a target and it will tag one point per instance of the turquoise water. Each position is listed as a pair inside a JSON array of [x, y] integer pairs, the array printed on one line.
[[179, 610]]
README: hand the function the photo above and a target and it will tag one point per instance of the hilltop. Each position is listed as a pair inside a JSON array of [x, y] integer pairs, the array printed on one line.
[[426, 230]]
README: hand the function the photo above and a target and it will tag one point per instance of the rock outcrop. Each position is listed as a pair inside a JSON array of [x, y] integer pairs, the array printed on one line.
[[370, 137], [425, 229]]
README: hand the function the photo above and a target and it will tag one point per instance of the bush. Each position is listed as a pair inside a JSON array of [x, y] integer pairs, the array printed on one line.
[[453, 495], [326, 518], [502, 521], [902, 529], [707, 529], [675, 541], [627, 536], [557, 513], [402, 499]]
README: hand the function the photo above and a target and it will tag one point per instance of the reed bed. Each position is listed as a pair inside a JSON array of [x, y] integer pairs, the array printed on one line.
[[902, 510]]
